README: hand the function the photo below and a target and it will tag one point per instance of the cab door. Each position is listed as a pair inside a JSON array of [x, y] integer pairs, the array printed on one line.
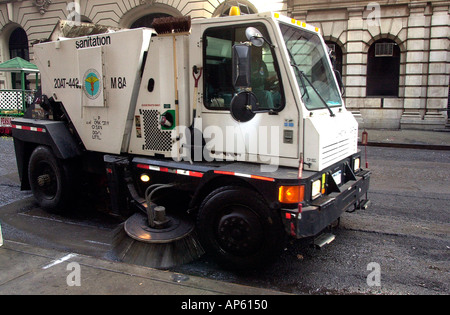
[[265, 137]]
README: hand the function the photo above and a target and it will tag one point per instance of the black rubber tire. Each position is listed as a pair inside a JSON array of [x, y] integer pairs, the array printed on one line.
[[239, 229], [49, 180]]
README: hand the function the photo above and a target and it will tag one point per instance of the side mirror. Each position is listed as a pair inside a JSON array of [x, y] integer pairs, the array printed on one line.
[[254, 36], [242, 106], [241, 66]]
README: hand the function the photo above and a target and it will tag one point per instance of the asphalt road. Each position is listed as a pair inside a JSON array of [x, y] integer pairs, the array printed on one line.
[[405, 231], [400, 245]]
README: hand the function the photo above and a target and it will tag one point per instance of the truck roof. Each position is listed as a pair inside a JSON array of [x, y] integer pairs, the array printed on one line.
[[70, 29], [269, 15]]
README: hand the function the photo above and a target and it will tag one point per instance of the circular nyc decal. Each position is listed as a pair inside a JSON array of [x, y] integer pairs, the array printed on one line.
[[92, 84]]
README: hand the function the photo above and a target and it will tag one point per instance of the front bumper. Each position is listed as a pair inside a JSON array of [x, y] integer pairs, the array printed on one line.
[[322, 212]]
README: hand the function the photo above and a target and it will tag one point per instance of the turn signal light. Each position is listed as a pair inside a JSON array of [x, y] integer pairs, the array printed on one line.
[[291, 194]]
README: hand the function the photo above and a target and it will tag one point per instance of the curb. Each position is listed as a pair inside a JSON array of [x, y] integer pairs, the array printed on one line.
[[408, 146]]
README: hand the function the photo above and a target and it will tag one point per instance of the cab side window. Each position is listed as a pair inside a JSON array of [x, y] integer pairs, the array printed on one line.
[[218, 88]]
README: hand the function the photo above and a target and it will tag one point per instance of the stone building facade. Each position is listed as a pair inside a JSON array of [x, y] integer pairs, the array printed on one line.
[[23, 22], [393, 55]]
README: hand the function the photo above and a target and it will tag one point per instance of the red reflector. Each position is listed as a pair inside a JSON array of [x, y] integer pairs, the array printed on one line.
[[263, 178], [292, 229], [288, 215]]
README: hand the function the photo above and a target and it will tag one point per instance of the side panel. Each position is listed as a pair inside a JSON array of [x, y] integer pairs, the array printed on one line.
[[90, 68], [157, 99], [329, 139], [97, 79]]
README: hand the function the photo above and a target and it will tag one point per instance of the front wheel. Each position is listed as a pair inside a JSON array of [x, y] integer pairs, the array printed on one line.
[[238, 228], [49, 179]]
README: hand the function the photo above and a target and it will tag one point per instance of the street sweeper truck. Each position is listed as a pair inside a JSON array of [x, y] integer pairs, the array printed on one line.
[[225, 135]]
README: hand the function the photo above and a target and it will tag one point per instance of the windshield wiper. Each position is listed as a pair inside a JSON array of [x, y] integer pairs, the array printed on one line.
[[303, 77], [317, 92], [300, 75]]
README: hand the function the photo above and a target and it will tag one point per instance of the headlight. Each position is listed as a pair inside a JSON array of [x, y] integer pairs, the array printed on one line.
[[316, 188], [145, 178], [356, 164]]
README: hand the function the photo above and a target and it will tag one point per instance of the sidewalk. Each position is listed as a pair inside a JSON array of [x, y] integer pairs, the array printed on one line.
[[26, 269], [418, 139]]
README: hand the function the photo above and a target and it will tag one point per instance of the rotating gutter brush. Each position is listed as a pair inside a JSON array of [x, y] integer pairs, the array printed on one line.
[[156, 239]]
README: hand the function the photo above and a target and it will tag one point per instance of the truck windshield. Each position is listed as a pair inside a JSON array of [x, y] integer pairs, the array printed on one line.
[[310, 61]]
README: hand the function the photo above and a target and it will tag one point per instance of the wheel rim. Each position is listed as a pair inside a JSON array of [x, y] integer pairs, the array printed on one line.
[[46, 180], [239, 231]]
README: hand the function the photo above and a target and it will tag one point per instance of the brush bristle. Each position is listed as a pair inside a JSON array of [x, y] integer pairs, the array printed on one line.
[[162, 25], [168, 25], [162, 256], [182, 24]]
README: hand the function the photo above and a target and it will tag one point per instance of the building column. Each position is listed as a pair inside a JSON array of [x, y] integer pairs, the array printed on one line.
[[417, 54], [355, 80], [438, 78]]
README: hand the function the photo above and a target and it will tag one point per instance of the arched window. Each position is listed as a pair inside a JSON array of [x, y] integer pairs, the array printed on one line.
[[18, 44], [147, 20], [144, 14], [224, 9], [18, 47], [337, 55], [383, 68]]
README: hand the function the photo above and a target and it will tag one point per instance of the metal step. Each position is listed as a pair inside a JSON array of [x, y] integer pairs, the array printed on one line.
[[323, 239], [364, 204]]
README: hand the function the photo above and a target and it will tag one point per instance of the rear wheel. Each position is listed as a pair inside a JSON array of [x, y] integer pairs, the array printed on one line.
[[238, 228], [49, 179]]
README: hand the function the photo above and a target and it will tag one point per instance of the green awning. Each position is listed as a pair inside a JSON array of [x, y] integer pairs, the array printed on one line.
[[18, 65]]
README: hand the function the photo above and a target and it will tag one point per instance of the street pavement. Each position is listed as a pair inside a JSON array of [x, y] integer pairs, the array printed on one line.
[[29, 269]]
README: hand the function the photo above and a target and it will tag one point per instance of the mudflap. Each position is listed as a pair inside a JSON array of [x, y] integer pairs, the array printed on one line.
[[118, 182]]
